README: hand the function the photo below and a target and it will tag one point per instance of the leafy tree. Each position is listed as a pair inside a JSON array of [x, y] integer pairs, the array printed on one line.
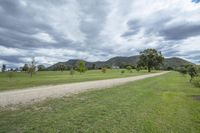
[[150, 58], [81, 66], [32, 67], [182, 70], [103, 69], [62, 67], [196, 81], [93, 66], [25, 68], [138, 68], [129, 68], [192, 71], [3, 68], [170, 68], [198, 70]]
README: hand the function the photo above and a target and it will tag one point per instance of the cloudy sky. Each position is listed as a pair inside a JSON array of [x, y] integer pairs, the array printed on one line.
[[59, 30]]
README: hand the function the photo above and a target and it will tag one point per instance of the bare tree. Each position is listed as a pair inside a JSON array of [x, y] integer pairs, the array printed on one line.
[[32, 67]]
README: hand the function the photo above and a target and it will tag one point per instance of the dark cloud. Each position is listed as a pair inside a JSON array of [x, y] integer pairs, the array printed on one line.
[[196, 1], [133, 26], [59, 30], [13, 59], [181, 31], [93, 19]]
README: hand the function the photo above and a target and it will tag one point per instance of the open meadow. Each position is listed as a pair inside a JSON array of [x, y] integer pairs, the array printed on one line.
[[163, 104], [23, 80], [100, 66]]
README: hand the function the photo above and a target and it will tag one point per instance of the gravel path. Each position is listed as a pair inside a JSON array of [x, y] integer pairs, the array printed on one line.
[[30, 95]]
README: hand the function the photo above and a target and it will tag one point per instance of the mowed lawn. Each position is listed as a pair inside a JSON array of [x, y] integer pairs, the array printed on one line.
[[23, 80], [163, 104]]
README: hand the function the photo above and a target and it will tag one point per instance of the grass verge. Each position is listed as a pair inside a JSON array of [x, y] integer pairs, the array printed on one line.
[[23, 80], [161, 104]]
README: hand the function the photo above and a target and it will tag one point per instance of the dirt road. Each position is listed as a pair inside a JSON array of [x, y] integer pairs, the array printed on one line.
[[30, 95]]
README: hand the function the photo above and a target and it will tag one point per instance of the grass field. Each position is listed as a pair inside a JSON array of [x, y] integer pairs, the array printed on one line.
[[161, 104], [23, 80]]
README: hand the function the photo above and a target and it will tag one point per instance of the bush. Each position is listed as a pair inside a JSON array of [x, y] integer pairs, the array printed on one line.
[[103, 69], [196, 81], [138, 68], [129, 68], [71, 72], [182, 70], [192, 71], [122, 71]]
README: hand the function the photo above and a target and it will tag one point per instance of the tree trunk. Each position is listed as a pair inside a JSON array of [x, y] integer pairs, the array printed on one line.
[[149, 69]]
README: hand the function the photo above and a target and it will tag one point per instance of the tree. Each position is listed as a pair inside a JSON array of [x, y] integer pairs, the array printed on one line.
[[62, 67], [81, 66], [103, 69], [129, 68], [25, 68], [93, 66], [192, 71], [170, 68], [198, 69], [150, 58], [3, 68], [72, 71], [182, 70], [32, 67], [138, 68]]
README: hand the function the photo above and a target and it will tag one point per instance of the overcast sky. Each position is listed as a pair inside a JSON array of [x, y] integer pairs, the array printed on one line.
[[59, 30]]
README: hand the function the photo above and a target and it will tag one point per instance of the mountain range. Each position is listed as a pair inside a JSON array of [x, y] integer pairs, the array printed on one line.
[[121, 62]]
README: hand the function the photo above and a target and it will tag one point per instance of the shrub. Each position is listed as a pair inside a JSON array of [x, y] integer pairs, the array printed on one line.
[[129, 68], [192, 71], [196, 81], [122, 71], [103, 69], [138, 68], [71, 72], [182, 70]]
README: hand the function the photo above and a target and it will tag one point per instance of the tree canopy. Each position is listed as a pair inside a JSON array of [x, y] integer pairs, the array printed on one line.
[[81, 66], [3, 68], [150, 58]]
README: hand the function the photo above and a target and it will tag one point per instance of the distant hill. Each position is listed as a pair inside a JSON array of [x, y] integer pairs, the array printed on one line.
[[175, 62], [120, 61]]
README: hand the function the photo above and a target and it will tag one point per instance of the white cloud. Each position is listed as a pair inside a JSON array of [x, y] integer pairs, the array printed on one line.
[[98, 30], [11, 51], [44, 37]]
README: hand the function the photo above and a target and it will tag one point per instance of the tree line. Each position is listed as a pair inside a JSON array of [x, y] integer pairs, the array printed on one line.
[[149, 58]]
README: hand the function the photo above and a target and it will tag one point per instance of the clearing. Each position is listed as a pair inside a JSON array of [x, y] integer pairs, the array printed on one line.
[[162, 104], [43, 92]]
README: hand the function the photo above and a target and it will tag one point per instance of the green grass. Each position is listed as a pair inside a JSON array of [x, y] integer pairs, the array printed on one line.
[[161, 104], [23, 80]]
